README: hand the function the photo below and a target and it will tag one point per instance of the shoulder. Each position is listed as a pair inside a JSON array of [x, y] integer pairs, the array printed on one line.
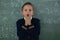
[[19, 21], [36, 19]]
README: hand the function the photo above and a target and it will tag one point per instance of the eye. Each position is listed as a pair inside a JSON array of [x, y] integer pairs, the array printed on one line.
[[25, 9], [30, 10]]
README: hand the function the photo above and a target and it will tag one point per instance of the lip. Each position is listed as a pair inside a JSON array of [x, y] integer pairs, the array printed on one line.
[[27, 14]]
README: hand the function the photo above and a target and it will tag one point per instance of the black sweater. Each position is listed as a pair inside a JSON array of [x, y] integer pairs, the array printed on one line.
[[31, 32]]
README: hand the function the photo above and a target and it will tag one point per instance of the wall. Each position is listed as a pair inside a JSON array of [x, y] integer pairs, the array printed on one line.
[[48, 11]]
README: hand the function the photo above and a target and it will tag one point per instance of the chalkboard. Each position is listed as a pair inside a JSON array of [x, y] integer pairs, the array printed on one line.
[[48, 11]]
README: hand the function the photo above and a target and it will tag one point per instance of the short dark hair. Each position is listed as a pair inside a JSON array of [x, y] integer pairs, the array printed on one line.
[[27, 3]]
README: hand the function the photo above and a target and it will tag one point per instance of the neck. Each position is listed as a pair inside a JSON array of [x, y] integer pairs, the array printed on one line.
[[27, 21]]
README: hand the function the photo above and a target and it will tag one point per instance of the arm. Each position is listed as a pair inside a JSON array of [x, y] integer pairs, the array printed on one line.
[[37, 24], [18, 25]]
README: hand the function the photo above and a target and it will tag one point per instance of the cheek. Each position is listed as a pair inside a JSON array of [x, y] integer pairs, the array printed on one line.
[[24, 13], [32, 13]]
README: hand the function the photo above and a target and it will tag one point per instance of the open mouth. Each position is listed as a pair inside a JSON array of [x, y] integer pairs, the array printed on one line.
[[27, 14]]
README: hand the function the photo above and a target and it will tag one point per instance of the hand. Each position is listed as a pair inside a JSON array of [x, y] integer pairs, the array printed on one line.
[[27, 22]]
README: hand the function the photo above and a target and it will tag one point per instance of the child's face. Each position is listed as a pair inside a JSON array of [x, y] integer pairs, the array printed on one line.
[[27, 11]]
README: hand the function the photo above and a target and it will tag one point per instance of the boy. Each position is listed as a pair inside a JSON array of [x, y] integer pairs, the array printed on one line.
[[28, 28]]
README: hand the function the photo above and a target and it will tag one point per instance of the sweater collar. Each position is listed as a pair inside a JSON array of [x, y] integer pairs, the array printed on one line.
[[25, 18]]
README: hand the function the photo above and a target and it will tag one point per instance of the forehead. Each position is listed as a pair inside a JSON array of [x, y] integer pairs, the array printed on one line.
[[28, 6]]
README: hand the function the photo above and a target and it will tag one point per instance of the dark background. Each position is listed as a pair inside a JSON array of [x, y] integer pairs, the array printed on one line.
[[48, 11]]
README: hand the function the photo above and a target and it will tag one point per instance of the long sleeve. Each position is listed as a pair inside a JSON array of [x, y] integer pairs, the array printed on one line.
[[38, 27], [35, 32], [18, 25], [32, 32]]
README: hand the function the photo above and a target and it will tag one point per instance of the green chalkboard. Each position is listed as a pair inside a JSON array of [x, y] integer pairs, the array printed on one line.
[[48, 11]]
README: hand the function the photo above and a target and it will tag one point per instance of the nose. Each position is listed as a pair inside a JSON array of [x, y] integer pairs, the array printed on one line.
[[28, 12]]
